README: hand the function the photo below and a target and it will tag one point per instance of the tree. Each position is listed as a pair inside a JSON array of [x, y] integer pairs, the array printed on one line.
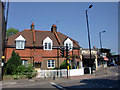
[[11, 31], [13, 63]]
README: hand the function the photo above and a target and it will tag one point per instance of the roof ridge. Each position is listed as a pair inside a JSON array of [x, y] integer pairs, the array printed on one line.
[[26, 29], [42, 31]]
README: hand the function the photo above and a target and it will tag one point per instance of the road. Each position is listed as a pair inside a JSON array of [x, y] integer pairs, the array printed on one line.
[[96, 82], [104, 82]]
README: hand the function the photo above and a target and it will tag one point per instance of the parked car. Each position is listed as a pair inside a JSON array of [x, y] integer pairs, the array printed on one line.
[[112, 64]]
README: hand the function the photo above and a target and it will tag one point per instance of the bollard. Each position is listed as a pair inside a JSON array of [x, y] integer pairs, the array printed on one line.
[[54, 77]]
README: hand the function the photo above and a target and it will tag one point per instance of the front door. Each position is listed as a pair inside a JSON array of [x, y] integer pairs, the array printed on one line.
[[37, 66]]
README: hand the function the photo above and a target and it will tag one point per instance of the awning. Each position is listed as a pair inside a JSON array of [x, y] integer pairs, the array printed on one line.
[[105, 58]]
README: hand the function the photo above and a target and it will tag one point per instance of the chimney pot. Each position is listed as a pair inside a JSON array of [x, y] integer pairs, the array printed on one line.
[[54, 28], [32, 27]]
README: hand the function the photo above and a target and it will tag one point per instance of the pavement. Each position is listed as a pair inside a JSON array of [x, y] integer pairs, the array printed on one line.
[[12, 83]]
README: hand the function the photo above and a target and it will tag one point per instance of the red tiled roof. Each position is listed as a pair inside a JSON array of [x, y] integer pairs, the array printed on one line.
[[38, 36]]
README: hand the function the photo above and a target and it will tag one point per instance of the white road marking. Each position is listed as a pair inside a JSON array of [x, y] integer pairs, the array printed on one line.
[[57, 85]]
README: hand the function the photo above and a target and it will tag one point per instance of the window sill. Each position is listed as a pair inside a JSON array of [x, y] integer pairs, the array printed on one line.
[[50, 67], [47, 49], [20, 49]]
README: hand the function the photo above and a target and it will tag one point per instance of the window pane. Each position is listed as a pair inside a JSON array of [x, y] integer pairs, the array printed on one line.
[[69, 45], [49, 45], [66, 44], [22, 62], [48, 65], [52, 65], [26, 63], [45, 45], [21, 44], [18, 44]]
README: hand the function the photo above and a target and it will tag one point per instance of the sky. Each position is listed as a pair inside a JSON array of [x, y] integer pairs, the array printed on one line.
[[70, 19]]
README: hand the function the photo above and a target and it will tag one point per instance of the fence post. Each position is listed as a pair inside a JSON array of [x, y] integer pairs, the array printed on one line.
[[44, 74], [90, 69]]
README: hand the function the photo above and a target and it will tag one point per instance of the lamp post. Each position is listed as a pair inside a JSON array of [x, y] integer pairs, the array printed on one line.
[[100, 38], [89, 37]]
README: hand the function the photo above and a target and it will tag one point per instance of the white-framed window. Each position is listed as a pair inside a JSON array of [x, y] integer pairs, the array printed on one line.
[[47, 44], [68, 43], [20, 42], [25, 62], [51, 63]]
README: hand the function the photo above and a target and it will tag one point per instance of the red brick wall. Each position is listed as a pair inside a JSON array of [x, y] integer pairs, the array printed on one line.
[[39, 55], [22, 53]]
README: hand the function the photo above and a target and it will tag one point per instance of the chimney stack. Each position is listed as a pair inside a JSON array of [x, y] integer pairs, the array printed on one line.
[[32, 27], [54, 28]]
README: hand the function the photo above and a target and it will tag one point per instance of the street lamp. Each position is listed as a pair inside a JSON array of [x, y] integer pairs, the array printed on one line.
[[100, 38], [89, 36]]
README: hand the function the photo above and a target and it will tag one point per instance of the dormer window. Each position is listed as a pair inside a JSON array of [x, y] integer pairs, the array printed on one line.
[[47, 43], [20, 42], [68, 43]]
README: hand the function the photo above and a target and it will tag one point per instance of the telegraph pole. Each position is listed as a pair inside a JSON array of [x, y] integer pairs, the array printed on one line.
[[4, 28], [1, 39]]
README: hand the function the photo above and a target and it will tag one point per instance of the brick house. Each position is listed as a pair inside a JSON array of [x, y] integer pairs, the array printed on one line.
[[41, 48]]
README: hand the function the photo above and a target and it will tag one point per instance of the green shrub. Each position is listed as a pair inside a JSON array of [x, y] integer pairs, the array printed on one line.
[[30, 75], [29, 68], [30, 72], [21, 69], [64, 65]]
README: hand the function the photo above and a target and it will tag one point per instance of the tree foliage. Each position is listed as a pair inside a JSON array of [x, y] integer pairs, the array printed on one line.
[[64, 65], [13, 63], [11, 31]]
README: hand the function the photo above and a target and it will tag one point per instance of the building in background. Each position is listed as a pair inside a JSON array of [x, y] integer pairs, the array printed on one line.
[[98, 60], [115, 59]]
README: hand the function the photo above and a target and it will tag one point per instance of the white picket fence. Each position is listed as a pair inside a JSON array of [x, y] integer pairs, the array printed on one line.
[[60, 73]]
